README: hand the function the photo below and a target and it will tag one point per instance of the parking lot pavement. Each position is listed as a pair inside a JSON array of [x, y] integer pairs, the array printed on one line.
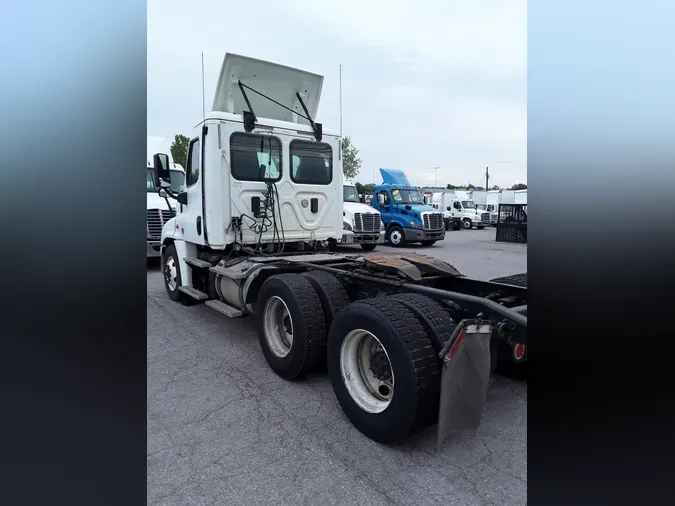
[[224, 429]]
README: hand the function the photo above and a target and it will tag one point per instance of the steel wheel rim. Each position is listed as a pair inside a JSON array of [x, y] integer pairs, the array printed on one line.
[[278, 326], [171, 274], [467, 224], [395, 237], [357, 352]]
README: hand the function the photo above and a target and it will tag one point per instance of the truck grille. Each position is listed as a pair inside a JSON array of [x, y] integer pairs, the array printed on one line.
[[156, 221], [366, 222], [432, 221], [485, 217]]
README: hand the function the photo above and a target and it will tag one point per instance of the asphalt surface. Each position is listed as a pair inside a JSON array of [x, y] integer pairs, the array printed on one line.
[[223, 429]]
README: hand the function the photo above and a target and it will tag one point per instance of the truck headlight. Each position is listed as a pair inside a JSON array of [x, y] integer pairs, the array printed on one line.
[[346, 226], [414, 225]]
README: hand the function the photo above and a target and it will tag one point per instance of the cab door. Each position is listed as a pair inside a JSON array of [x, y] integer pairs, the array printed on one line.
[[384, 205], [190, 220]]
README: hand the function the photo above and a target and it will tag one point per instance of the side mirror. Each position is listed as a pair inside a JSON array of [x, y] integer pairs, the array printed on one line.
[[163, 194], [449, 208], [380, 199], [162, 170]]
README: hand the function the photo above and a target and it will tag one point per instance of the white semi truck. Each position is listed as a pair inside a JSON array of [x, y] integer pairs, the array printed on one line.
[[457, 205], [159, 210], [407, 340], [361, 223]]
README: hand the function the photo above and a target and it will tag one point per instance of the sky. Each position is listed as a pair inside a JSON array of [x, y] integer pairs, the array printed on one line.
[[441, 86]]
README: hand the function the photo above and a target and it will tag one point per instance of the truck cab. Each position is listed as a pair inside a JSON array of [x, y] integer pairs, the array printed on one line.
[[159, 210], [362, 224], [262, 177], [456, 205], [406, 218]]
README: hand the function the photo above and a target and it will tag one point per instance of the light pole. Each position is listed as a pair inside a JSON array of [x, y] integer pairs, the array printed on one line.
[[436, 176]]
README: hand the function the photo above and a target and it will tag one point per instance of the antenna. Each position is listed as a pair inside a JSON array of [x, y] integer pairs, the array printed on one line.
[[340, 100], [203, 92]]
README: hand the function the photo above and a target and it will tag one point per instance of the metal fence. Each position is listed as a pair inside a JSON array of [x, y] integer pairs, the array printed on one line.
[[512, 223]]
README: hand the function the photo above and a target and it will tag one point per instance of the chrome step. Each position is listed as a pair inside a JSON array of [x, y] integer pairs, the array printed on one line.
[[193, 292], [226, 309], [197, 262]]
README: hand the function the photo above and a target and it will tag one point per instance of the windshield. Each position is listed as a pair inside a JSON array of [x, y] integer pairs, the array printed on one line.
[[177, 181], [468, 204], [407, 197], [350, 194]]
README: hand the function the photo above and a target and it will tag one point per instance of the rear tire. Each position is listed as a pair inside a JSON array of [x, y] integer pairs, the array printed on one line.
[[406, 352], [456, 225], [332, 294], [437, 322], [368, 247], [292, 329], [514, 279]]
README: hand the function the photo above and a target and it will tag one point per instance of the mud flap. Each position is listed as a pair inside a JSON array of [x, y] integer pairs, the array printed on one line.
[[464, 381]]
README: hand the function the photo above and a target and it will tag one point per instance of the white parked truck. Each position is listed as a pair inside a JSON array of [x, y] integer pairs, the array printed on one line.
[[407, 340], [159, 210], [361, 223], [457, 205]]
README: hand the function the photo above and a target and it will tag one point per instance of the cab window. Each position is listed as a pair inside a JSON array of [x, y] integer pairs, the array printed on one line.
[[311, 162], [255, 157]]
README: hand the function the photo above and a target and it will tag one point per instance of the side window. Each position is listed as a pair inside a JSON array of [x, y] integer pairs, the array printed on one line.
[[192, 171], [458, 206], [311, 162], [255, 157]]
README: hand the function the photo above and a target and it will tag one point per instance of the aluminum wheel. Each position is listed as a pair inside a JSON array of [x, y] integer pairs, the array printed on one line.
[[366, 371], [278, 326], [396, 237], [171, 273]]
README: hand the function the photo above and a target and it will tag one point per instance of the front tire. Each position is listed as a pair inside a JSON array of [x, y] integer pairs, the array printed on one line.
[[395, 236], [292, 332], [383, 368], [480, 227], [368, 247], [172, 277], [428, 243], [466, 222]]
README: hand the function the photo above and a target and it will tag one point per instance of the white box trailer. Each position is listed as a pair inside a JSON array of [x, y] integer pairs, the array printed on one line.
[[520, 197]]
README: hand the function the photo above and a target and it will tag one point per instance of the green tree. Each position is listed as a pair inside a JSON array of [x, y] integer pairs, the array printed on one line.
[[495, 187], [351, 163], [179, 149], [519, 186]]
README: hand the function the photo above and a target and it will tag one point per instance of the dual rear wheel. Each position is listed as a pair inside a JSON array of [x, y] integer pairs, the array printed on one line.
[[381, 353]]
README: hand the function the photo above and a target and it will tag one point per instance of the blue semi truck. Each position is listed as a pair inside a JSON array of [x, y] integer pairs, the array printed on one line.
[[406, 217]]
